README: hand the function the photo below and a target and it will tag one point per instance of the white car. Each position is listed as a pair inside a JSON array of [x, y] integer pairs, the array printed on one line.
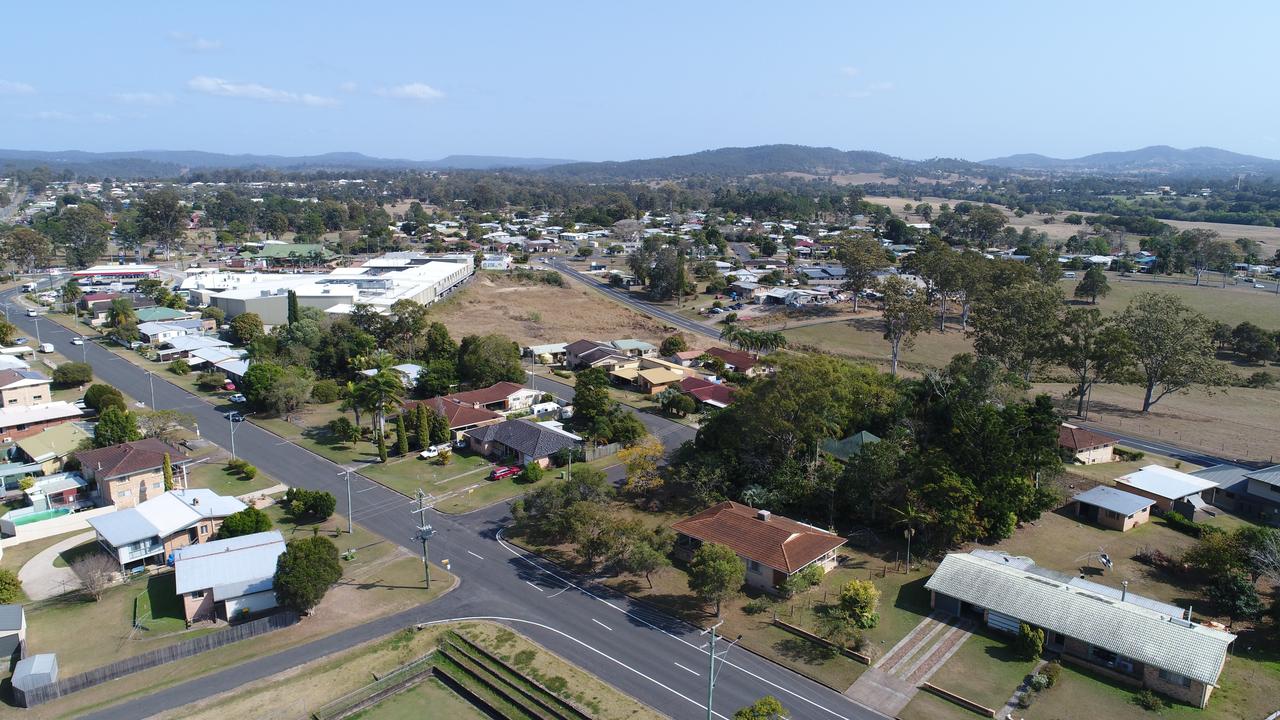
[[1260, 286], [429, 453], [33, 313], [77, 341]]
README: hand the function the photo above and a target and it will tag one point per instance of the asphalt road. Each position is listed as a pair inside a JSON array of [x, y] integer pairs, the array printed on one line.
[[647, 654]]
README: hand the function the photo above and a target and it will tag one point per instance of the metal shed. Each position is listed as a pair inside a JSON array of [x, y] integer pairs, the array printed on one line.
[[35, 671]]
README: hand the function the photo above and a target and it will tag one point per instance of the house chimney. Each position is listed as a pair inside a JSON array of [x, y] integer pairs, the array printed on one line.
[[763, 515]]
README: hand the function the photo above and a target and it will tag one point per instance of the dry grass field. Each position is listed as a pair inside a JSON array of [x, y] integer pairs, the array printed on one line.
[[534, 313]]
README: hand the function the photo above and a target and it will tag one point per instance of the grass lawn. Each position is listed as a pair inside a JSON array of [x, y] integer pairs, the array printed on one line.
[[68, 557], [215, 476], [490, 492], [428, 699], [1249, 689], [927, 706], [984, 669], [1233, 304], [1105, 473], [862, 339], [408, 473], [1059, 542]]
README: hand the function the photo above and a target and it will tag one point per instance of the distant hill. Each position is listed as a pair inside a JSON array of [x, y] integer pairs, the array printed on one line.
[[170, 163], [734, 162], [1154, 159]]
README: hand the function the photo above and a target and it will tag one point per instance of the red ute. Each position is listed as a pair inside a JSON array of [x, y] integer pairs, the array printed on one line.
[[503, 471]]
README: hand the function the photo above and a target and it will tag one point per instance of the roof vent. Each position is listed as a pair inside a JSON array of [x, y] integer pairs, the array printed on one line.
[[763, 515], [195, 501]]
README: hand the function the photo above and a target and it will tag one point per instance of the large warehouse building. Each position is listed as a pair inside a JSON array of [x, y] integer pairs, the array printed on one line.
[[379, 283]]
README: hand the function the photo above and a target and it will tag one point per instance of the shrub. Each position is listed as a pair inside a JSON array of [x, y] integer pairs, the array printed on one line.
[[859, 599], [557, 684], [1179, 522], [325, 391], [758, 605], [1030, 642], [524, 657], [180, 367], [249, 472], [1148, 700], [1129, 455], [1024, 700], [72, 373], [1039, 682], [237, 465], [100, 397], [211, 380], [246, 522], [10, 586], [1051, 672], [316, 504], [532, 473], [341, 429]]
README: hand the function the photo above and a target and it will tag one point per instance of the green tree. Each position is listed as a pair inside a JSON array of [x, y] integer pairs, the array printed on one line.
[[246, 327], [73, 373], [380, 393], [1093, 285], [1018, 326], [69, 295], [673, 344], [26, 249], [160, 218], [121, 312], [180, 367], [1094, 349], [7, 332], [293, 307], [861, 258], [115, 426], [440, 431], [289, 392], [906, 314], [245, 522], [382, 445], [305, 571], [99, 397], [10, 587], [1029, 644], [766, 708], [1172, 347], [860, 598], [1252, 343], [402, 436], [259, 380], [82, 231], [422, 426], [644, 559], [716, 574], [484, 360], [166, 469]]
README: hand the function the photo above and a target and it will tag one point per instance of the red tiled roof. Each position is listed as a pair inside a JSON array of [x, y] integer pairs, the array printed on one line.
[[719, 394], [492, 394], [1077, 438], [780, 543], [741, 361], [456, 414], [129, 458]]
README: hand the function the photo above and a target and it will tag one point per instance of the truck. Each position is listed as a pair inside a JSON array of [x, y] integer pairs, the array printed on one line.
[[29, 287]]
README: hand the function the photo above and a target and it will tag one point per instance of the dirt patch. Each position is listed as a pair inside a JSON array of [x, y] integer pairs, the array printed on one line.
[[533, 314]]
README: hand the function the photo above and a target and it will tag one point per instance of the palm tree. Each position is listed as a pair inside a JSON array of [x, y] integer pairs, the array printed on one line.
[[910, 519], [121, 311], [732, 333], [380, 393], [351, 402]]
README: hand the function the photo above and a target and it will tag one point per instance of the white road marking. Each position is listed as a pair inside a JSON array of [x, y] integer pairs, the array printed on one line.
[[695, 672], [473, 554], [606, 627], [526, 558], [601, 653], [535, 587]]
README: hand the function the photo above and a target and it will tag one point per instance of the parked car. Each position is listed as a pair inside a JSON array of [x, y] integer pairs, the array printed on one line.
[[20, 340], [238, 398], [1068, 275], [235, 416], [504, 471], [77, 341], [229, 386], [33, 313]]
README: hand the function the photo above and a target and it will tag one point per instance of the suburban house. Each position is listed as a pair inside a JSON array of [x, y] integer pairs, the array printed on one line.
[[186, 346], [130, 473], [716, 395], [1132, 639], [159, 314], [160, 332], [148, 533], [522, 441], [503, 397], [1171, 489], [1086, 446], [1112, 508], [23, 388], [67, 491], [772, 547], [549, 354], [584, 354], [13, 629], [849, 447], [1251, 494], [228, 579], [734, 360], [459, 416], [51, 447], [22, 421], [634, 348], [408, 373]]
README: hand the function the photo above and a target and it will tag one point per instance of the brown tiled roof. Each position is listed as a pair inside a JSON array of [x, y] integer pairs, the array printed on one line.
[[705, 390], [492, 394], [741, 361], [456, 414], [1077, 438], [129, 458], [780, 543], [577, 347]]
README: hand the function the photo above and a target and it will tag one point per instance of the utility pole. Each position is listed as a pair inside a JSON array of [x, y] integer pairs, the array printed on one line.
[[350, 527], [425, 531], [711, 669], [151, 380]]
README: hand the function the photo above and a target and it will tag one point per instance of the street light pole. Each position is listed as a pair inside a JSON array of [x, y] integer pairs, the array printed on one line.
[[711, 665], [350, 527], [151, 380]]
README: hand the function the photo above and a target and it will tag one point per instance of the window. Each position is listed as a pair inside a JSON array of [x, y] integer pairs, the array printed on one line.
[[755, 566], [196, 595], [37, 397], [1174, 678], [157, 486], [13, 401], [204, 529], [126, 493]]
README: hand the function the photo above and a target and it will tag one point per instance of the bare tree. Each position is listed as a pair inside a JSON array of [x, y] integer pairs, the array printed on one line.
[[97, 572]]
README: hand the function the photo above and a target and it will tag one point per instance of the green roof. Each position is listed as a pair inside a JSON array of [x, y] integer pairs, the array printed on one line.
[[299, 250], [56, 441], [159, 314], [848, 447]]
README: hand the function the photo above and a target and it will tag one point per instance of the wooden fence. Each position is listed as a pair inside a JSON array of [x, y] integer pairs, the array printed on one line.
[[153, 658]]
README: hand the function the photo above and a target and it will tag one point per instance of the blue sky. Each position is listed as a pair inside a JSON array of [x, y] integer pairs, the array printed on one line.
[[608, 80]]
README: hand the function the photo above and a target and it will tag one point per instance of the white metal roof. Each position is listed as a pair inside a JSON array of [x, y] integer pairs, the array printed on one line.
[[1165, 482], [1125, 628], [231, 568], [25, 415], [164, 515]]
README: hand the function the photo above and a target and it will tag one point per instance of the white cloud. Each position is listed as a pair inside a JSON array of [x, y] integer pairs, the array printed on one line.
[[194, 43], [10, 87], [59, 116], [849, 71], [144, 98], [348, 87], [412, 91], [255, 91]]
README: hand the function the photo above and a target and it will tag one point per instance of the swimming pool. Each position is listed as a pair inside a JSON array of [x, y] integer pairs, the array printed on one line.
[[20, 518]]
